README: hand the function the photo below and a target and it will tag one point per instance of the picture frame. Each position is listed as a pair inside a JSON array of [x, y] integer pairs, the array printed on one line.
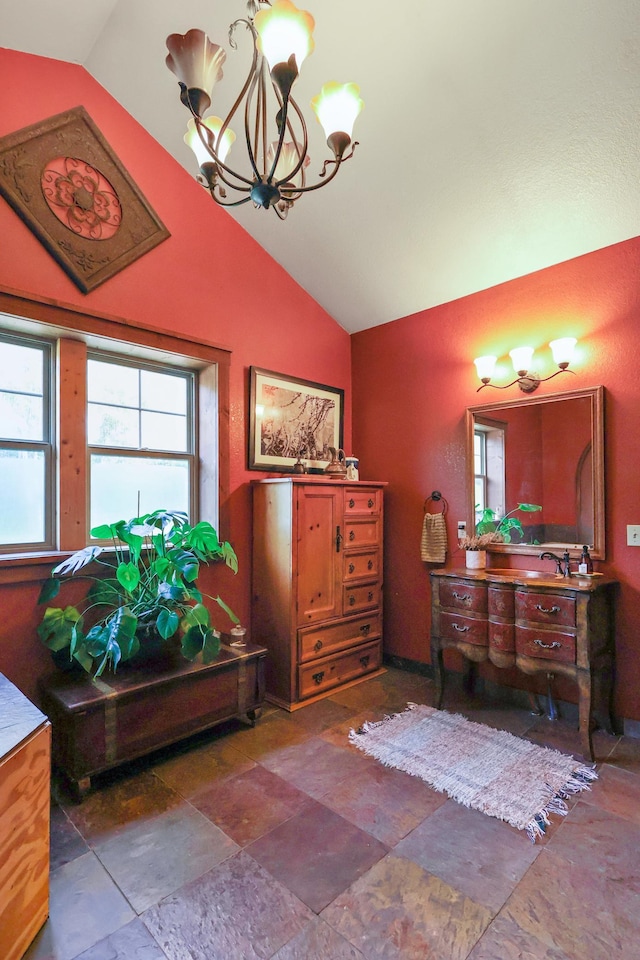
[[291, 418], [66, 183]]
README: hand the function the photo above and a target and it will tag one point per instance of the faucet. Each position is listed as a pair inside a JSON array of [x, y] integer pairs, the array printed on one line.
[[563, 563]]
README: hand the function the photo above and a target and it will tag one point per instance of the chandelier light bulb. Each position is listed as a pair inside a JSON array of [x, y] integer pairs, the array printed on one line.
[[193, 140], [283, 31], [337, 107]]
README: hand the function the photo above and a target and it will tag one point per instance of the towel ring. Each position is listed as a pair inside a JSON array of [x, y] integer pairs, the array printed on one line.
[[437, 497]]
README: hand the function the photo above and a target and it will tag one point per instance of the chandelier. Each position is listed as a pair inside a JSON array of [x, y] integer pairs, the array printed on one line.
[[275, 131]]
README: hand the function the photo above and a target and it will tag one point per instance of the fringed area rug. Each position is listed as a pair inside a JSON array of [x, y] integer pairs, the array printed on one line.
[[486, 769]]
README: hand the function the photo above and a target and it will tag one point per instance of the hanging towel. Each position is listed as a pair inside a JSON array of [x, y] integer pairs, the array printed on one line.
[[433, 543]]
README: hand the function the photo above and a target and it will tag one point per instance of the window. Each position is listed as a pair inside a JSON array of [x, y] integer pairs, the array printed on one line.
[[100, 420], [488, 457], [140, 439], [26, 452]]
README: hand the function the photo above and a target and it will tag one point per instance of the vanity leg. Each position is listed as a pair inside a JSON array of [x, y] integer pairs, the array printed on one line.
[[552, 711], [585, 706], [536, 709], [437, 662]]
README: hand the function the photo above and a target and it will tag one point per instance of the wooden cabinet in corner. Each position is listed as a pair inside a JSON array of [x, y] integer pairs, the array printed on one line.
[[317, 584]]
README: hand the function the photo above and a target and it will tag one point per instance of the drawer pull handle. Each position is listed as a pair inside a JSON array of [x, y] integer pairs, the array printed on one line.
[[352, 534], [352, 600], [465, 597], [318, 677], [317, 645], [370, 502], [370, 596], [370, 565], [460, 629], [352, 567], [352, 503], [365, 628], [552, 609], [548, 646], [365, 660]]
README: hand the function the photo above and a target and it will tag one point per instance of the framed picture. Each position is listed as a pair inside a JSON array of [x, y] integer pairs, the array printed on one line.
[[64, 180], [291, 418]]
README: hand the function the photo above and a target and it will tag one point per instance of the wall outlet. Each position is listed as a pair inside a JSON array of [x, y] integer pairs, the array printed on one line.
[[633, 535], [462, 528]]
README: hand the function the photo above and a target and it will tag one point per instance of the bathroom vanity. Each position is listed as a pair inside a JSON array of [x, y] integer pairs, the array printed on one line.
[[534, 621]]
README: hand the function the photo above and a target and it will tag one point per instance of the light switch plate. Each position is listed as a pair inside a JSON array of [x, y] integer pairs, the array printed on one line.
[[633, 535]]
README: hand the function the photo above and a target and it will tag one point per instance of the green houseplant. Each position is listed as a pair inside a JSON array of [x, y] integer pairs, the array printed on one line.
[[503, 527], [142, 593]]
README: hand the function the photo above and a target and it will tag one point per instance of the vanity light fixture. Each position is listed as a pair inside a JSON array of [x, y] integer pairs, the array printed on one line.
[[521, 357]]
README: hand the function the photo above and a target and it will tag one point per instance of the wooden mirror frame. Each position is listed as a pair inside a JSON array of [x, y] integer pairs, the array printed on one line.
[[596, 394]]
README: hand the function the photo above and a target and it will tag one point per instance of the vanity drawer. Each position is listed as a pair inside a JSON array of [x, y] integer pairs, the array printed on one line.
[[364, 596], [502, 636], [545, 608], [361, 533], [454, 627], [546, 644], [501, 601], [356, 566], [463, 595], [319, 641], [320, 675], [362, 500]]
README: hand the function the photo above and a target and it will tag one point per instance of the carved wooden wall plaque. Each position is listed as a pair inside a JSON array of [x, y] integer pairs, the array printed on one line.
[[64, 180]]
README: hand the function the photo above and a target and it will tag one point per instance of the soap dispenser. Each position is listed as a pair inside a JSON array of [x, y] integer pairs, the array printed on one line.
[[586, 563]]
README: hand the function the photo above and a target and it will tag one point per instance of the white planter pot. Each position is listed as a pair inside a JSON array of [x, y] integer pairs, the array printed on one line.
[[476, 559]]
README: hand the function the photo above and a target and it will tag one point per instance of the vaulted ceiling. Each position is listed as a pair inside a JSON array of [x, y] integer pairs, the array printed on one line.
[[498, 136]]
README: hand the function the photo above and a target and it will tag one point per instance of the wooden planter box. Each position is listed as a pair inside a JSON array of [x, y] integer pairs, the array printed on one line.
[[99, 724]]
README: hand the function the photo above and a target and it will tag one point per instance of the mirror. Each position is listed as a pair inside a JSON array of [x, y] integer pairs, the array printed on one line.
[[545, 450]]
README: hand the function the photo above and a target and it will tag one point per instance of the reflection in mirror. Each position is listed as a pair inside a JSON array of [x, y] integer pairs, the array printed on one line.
[[545, 450]]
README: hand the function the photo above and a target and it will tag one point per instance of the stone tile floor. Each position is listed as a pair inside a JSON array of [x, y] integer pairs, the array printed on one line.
[[284, 842]]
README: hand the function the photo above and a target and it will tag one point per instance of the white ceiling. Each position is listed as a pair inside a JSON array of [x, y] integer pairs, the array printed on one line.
[[498, 137]]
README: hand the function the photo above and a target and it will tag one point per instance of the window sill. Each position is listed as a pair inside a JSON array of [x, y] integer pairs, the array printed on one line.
[[29, 567]]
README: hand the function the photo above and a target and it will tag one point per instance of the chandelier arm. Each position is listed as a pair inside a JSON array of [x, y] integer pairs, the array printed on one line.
[[286, 125], [247, 125]]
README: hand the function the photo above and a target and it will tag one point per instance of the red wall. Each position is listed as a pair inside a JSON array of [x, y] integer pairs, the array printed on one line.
[[413, 379], [209, 280]]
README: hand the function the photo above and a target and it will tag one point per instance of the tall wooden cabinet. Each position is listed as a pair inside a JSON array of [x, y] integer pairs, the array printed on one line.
[[317, 584]]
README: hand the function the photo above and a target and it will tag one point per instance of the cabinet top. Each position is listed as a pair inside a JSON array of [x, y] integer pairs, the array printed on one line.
[[18, 716], [322, 478], [529, 578]]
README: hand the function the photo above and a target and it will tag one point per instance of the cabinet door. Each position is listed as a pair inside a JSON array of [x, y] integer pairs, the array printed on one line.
[[320, 529]]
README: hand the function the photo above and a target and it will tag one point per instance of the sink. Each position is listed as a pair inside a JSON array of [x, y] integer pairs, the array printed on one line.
[[504, 574]]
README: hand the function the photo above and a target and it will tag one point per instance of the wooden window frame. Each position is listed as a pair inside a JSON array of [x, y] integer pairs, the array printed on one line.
[[77, 333]]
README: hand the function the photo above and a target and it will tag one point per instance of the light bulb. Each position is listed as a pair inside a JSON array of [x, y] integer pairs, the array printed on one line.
[[192, 139], [521, 358], [485, 367], [562, 350], [284, 30]]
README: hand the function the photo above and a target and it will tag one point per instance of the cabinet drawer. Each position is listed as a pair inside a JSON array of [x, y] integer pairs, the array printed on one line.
[[364, 596], [362, 500], [320, 641], [502, 636], [361, 533], [356, 566], [329, 672], [454, 627], [463, 595], [545, 608], [546, 644], [501, 601]]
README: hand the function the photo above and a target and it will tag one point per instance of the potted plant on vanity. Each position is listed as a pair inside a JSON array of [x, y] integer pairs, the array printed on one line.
[[142, 596], [491, 530]]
